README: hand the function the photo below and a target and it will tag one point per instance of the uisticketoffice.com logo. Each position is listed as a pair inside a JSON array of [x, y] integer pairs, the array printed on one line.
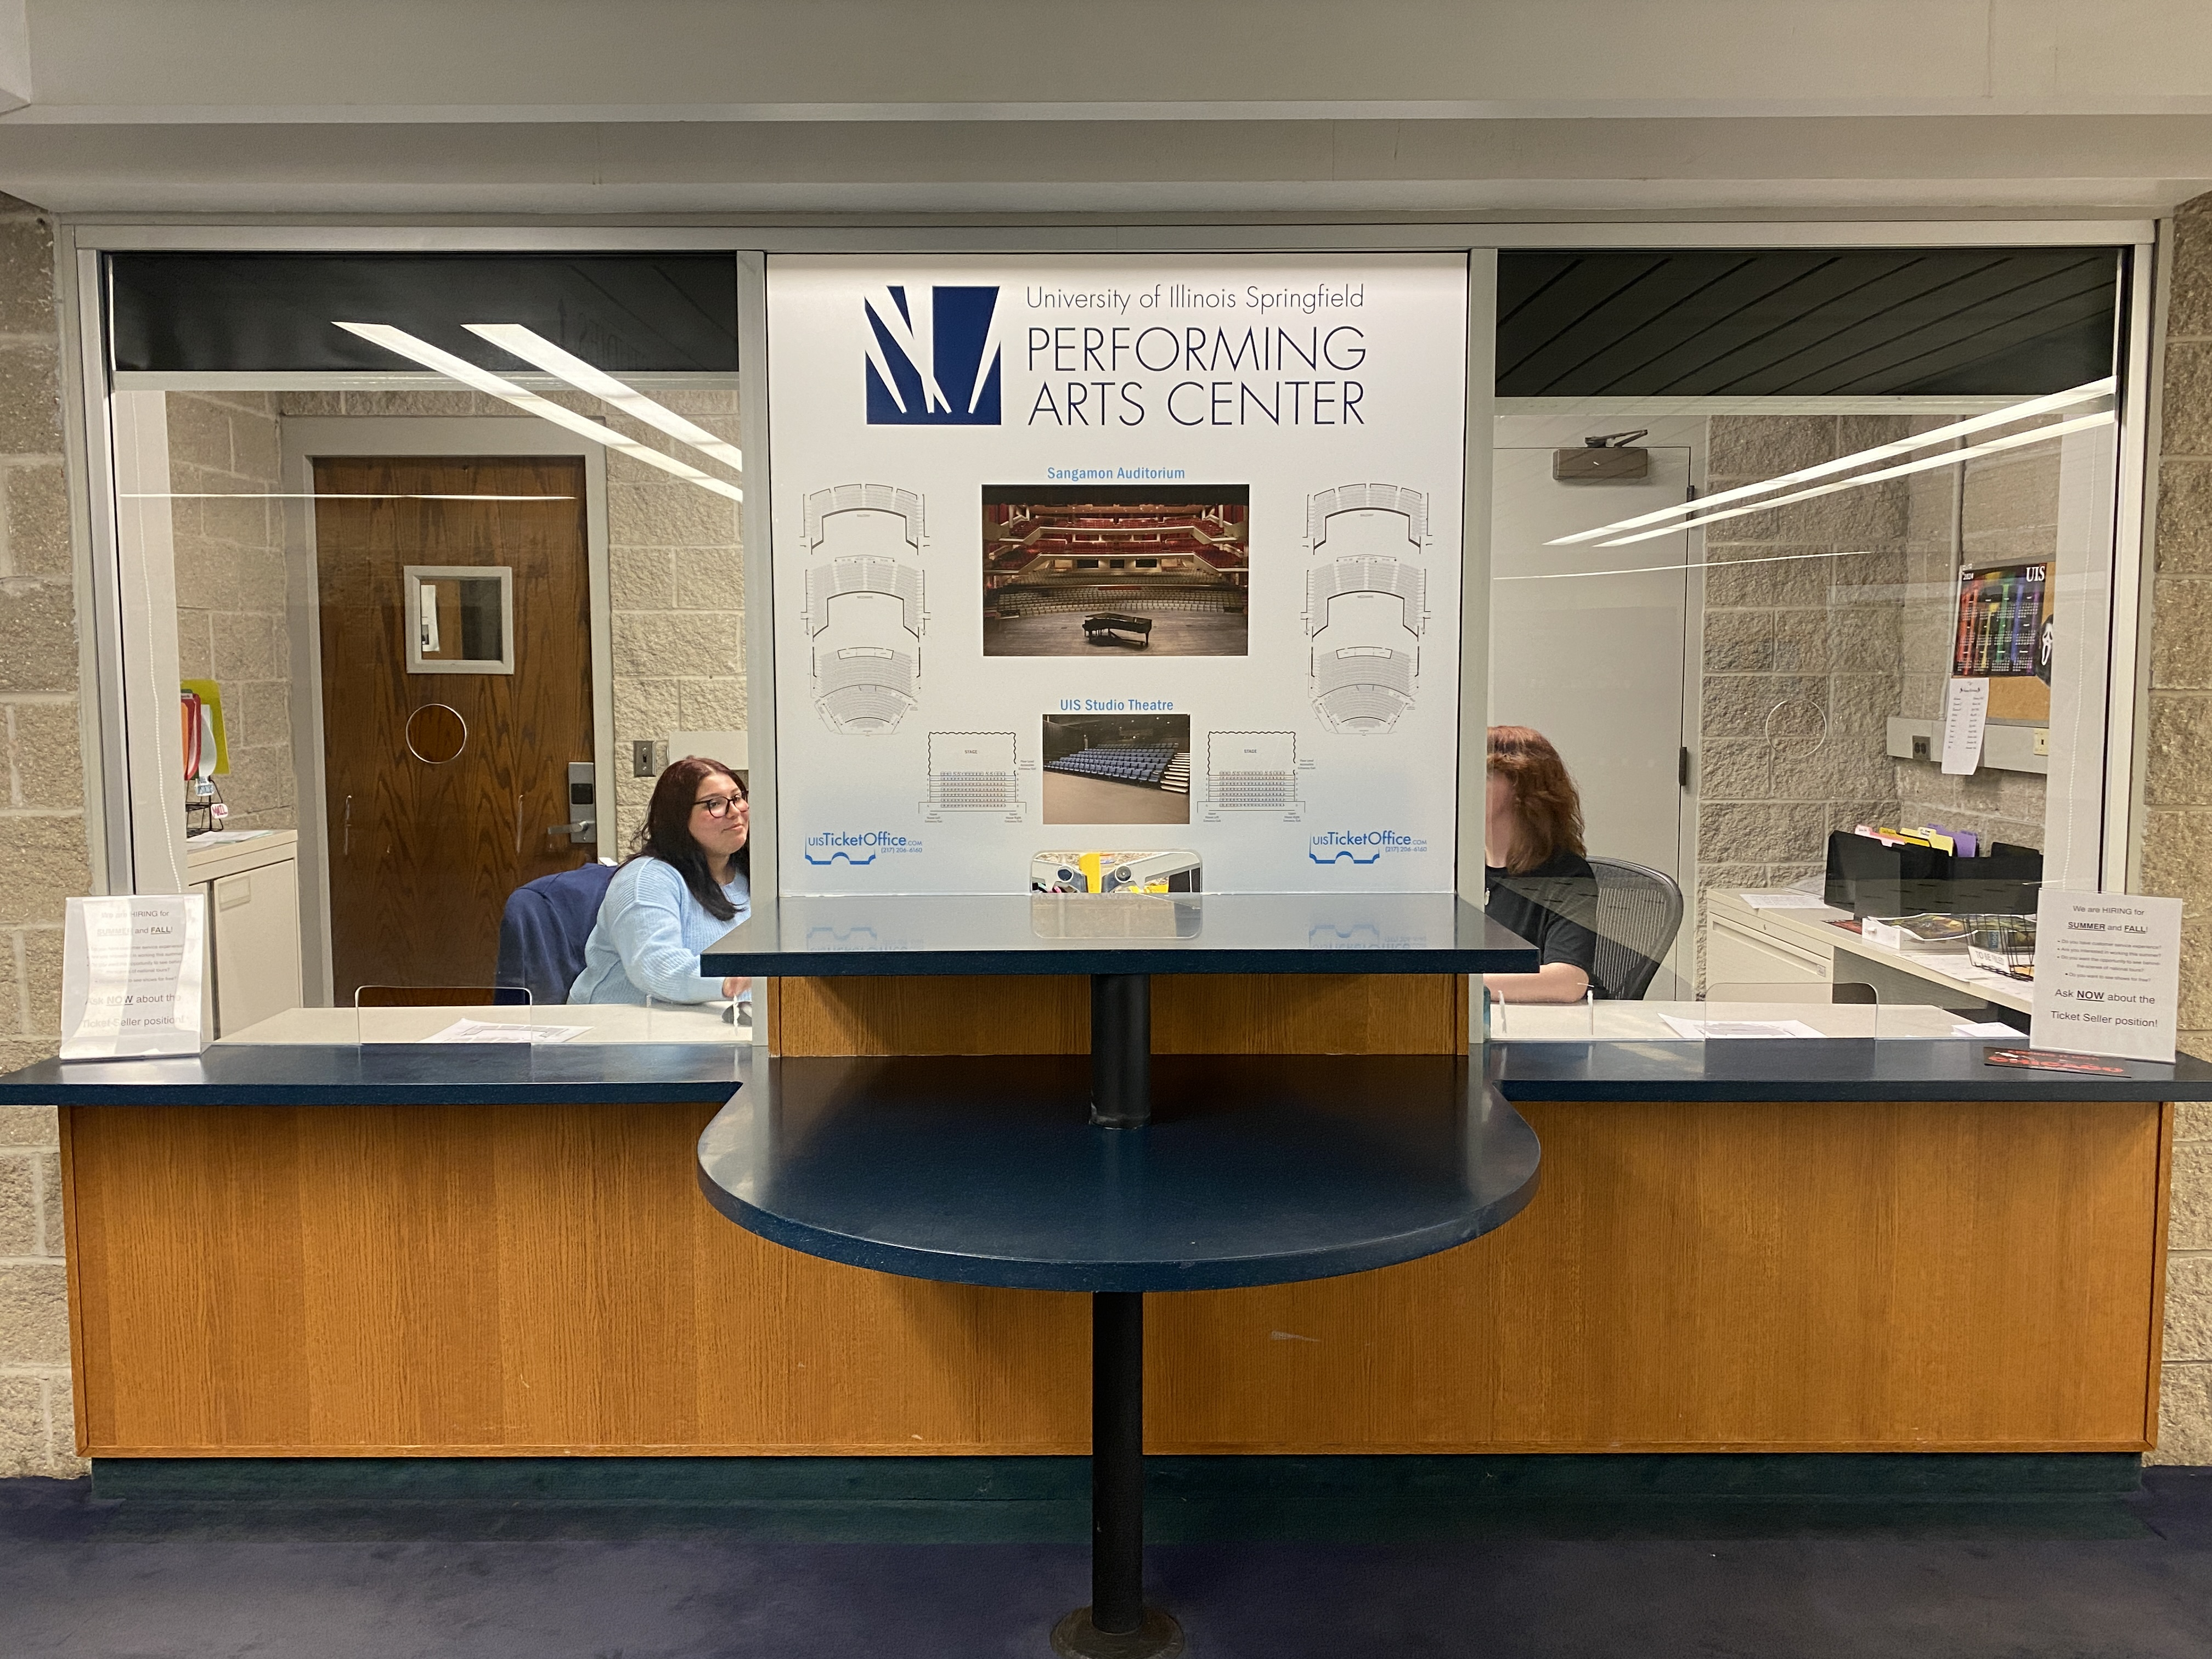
[[1360, 845], [931, 355], [857, 846]]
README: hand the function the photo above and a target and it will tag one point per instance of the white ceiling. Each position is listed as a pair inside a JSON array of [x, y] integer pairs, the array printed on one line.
[[1516, 108]]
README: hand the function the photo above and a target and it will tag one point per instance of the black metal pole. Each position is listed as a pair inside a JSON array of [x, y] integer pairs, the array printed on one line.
[[1121, 1050], [1117, 1460]]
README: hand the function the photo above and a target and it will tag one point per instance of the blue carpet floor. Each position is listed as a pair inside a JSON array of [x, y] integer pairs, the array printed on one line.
[[149, 1580]]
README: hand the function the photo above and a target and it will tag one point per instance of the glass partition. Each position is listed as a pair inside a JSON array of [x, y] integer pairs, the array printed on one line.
[[454, 542], [1802, 560]]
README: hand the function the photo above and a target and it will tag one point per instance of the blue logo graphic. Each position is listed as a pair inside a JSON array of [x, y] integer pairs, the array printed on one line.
[[861, 846], [932, 356], [1361, 846]]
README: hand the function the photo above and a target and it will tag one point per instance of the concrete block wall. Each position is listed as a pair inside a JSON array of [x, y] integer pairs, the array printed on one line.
[[2010, 512], [231, 590], [1801, 654], [677, 576], [42, 857], [2176, 860]]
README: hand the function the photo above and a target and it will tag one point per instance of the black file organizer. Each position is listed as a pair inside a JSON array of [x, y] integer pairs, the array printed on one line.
[[1869, 878]]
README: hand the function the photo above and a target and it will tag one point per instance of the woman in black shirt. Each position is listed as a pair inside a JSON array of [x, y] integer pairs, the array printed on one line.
[[1538, 883]]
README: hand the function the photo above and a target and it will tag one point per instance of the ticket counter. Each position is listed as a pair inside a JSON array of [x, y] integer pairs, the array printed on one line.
[[302, 1249]]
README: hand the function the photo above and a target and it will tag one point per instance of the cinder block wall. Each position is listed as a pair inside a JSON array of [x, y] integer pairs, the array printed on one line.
[[42, 843], [231, 586], [2177, 789], [1801, 655]]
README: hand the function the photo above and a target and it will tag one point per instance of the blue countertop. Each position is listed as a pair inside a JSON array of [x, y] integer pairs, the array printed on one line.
[[1817, 1068], [301, 1074], [315, 1074], [1173, 933], [1254, 1169]]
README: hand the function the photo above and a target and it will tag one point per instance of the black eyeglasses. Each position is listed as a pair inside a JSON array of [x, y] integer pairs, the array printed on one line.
[[719, 806]]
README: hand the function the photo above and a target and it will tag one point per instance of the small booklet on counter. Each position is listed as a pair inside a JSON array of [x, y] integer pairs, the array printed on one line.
[[2049, 1060]]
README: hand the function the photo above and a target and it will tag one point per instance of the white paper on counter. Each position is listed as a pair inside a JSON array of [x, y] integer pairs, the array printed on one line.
[[133, 970], [1700, 1031], [1785, 901], [1965, 713], [2107, 973], [484, 1031]]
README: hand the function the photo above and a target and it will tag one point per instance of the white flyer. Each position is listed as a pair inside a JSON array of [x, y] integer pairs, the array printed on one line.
[[482, 1030], [133, 968], [1701, 1030], [2107, 973], [1965, 714]]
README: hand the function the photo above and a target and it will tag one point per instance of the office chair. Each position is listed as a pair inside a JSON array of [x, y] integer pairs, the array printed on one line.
[[1639, 911], [543, 930]]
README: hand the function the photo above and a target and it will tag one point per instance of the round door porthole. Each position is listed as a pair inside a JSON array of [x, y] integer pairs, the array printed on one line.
[[436, 734]]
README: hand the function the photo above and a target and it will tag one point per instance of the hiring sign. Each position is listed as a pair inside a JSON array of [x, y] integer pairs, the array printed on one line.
[[1117, 558], [132, 971], [2107, 973]]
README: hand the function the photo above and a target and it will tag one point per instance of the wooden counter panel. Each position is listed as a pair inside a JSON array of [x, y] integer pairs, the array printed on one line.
[[491, 1281], [1192, 1014], [358, 1281], [1710, 1277]]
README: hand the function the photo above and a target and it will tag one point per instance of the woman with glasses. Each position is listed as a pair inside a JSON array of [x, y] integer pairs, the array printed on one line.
[[688, 882]]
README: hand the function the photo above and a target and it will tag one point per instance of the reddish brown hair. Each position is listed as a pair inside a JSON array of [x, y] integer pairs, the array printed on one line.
[[666, 832], [1543, 797]]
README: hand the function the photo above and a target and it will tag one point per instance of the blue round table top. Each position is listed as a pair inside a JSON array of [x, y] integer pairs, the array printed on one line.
[[1256, 1169]]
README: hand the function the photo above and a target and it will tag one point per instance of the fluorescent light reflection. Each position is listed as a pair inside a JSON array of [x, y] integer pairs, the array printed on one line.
[[1949, 457], [1701, 564], [535, 349], [2086, 393], [406, 345], [314, 496]]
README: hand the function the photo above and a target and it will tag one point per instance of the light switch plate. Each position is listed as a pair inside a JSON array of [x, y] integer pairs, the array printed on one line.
[[641, 760]]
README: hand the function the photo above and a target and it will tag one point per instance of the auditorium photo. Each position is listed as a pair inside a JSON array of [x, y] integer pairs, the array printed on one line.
[[1084, 570], [1117, 768]]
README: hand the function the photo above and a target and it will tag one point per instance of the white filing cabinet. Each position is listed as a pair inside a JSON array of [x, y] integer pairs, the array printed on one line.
[[252, 938], [1743, 948]]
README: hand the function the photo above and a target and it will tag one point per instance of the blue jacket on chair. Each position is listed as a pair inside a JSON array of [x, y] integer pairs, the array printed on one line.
[[543, 930]]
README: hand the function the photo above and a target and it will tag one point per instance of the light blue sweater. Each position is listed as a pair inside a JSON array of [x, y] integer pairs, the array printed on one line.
[[649, 937]]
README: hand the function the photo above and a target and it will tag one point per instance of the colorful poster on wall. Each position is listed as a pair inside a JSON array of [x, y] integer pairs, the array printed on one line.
[[1123, 570], [2005, 629]]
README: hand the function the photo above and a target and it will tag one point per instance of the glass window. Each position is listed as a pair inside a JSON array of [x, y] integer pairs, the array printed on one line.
[[454, 542], [1761, 518]]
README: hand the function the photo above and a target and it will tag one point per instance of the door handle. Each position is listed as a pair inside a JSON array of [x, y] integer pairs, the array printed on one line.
[[583, 801]]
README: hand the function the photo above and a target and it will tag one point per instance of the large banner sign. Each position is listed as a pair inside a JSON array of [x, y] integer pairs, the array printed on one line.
[[1117, 573]]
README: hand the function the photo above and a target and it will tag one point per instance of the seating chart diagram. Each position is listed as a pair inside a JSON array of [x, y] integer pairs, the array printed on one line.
[[973, 772], [1366, 603], [864, 617], [1253, 772]]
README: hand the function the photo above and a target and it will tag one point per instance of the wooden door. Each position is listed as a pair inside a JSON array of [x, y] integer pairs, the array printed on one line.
[[423, 850]]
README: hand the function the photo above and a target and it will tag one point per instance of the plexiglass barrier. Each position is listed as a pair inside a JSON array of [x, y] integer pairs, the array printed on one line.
[[411, 1016]]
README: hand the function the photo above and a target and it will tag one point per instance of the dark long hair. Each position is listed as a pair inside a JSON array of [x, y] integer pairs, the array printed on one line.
[[1547, 804], [666, 833]]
